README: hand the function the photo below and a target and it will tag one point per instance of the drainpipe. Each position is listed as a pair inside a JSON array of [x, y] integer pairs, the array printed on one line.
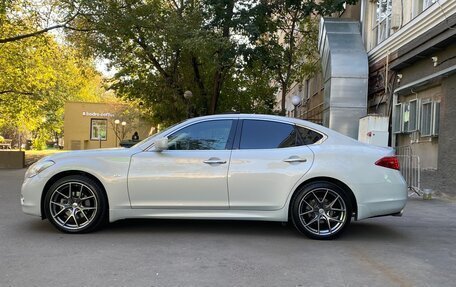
[[361, 19], [393, 115]]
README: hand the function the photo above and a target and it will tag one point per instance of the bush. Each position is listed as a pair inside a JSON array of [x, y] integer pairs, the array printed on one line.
[[2, 139], [39, 143]]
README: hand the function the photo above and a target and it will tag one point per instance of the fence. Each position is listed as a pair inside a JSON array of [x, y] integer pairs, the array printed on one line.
[[410, 168]]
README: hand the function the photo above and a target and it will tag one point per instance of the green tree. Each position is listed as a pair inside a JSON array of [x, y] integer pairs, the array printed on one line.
[[221, 50], [284, 37], [232, 54], [38, 76]]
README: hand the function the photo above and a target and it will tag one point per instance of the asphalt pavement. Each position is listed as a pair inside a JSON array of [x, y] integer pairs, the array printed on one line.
[[418, 249]]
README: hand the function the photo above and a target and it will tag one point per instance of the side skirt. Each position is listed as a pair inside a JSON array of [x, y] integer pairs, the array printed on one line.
[[275, 215]]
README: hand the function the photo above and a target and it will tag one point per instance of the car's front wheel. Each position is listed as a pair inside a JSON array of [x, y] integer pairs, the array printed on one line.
[[321, 210], [76, 204]]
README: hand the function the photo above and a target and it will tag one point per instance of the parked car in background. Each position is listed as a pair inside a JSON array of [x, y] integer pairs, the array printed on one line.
[[233, 166]]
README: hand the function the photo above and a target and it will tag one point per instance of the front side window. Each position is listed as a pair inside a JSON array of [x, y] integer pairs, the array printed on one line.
[[98, 129], [210, 135], [258, 134]]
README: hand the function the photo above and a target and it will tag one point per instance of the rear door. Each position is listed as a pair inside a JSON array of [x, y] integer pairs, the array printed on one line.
[[268, 159]]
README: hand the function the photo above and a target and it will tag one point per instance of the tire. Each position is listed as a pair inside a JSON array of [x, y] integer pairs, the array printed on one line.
[[321, 210], [76, 204]]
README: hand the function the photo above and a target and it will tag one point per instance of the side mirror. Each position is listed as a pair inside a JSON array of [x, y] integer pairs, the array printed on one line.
[[161, 144]]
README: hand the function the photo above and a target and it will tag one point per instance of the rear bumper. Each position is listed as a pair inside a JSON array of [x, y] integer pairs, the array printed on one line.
[[379, 201]]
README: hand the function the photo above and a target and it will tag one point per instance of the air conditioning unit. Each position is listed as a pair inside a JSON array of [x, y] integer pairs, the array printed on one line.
[[373, 129]]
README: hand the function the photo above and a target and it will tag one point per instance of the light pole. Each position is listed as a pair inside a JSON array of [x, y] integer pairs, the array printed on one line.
[[116, 122], [123, 129], [296, 101], [188, 95]]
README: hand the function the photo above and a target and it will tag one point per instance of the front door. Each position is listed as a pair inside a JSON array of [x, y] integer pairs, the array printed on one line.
[[191, 173]]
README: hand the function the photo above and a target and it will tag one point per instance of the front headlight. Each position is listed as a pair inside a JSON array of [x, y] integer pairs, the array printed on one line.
[[38, 167]]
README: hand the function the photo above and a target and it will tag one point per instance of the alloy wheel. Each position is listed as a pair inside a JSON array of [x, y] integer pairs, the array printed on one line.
[[73, 205], [322, 212]]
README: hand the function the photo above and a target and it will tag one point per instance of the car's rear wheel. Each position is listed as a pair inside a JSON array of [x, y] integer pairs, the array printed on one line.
[[76, 204], [321, 210]]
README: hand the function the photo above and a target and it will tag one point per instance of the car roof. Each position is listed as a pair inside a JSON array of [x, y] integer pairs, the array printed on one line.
[[331, 136], [265, 117]]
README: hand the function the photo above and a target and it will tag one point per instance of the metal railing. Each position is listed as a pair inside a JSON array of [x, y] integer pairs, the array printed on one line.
[[410, 168]]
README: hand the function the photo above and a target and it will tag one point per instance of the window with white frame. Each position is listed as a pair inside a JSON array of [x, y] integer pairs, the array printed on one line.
[[98, 129], [419, 6], [426, 119], [417, 115], [405, 117], [428, 3], [435, 118], [307, 89], [413, 116], [382, 23], [397, 120]]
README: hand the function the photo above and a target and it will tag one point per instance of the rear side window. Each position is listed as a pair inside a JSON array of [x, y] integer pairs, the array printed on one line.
[[257, 134], [307, 136]]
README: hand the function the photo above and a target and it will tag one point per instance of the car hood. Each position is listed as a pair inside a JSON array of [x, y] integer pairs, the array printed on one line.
[[94, 153]]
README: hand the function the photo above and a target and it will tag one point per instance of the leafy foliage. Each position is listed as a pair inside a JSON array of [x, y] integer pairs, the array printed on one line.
[[38, 76], [231, 54]]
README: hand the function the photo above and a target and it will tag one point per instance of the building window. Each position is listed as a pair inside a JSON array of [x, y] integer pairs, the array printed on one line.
[[307, 96], [397, 119], [413, 116], [428, 3], [419, 6], [382, 24], [405, 117], [98, 128], [435, 118], [426, 119]]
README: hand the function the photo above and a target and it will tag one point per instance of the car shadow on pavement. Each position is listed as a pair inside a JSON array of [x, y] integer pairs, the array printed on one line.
[[357, 231], [208, 227]]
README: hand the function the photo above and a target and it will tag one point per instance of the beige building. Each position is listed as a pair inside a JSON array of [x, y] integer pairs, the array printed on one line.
[[100, 125]]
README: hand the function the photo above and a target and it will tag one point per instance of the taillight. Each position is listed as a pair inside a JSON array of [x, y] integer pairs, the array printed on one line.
[[388, 162]]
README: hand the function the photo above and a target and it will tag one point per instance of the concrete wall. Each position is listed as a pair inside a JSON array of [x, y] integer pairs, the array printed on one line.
[[12, 159], [447, 137], [425, 147], [437, 154]]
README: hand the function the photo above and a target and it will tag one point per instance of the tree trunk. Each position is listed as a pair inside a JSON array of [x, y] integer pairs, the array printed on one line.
[[218, 76], [200, 82], [216, 91]]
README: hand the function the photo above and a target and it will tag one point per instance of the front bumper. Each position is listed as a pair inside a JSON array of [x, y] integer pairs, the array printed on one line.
[[31, 191]]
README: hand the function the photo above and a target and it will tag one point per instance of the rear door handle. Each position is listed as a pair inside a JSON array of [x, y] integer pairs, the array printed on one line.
[[295, 159], [214, 160]]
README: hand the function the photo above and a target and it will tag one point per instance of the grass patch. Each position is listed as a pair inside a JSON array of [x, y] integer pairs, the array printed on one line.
[[32, 156]]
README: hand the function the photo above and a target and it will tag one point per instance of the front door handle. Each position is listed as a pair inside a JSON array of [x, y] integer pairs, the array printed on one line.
[[214, 160], [295, 159]]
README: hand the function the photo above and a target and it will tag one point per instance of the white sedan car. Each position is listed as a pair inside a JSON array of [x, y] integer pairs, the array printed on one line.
[[233, 166]]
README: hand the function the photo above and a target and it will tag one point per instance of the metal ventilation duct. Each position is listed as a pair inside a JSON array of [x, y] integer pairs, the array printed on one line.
[[345, 72]]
